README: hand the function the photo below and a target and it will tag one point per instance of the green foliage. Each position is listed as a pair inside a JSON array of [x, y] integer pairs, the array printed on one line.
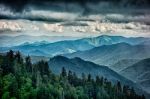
[[6, 95], [24, 80]]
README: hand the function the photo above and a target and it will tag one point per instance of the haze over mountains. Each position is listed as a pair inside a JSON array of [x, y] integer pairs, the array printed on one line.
[[112, 56], [8, 41], [45, 48], [123, 64], [80, 66], [139, 73], [74, 34]]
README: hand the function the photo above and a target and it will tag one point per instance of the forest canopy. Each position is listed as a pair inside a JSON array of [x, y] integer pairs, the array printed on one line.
[[20, 79]]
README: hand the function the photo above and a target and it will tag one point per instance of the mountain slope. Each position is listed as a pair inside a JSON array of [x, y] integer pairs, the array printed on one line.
[[69, 46], [140, 73], [109, 40], [80, 66], [28, 39], [110, 54], [52, 48], [122, 64]]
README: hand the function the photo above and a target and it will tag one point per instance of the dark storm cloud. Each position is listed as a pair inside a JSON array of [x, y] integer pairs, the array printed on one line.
[[18, 5], [62, 10]]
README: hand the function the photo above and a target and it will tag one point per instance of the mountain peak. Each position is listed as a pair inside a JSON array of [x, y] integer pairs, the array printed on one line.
[[59, 57], [80, 66], [77, 58], [25, 43], [104, 36]]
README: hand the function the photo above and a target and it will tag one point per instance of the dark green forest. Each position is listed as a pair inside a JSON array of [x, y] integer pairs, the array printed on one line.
[[21, 79]]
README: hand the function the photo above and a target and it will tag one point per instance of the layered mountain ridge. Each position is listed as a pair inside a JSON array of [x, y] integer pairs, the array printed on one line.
[[139, 73], [110, 54], [70, 46], [80, 66]]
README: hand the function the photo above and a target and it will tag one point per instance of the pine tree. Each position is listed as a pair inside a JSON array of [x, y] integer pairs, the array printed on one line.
[[101, 81], [8, 63], [43, 67], [97, 80], [119, 88], [143, 97], [84, 79], [89, 78], [64, 73], [42, 84], [10, 56], [18, 57], [70, 77], [28, 64]]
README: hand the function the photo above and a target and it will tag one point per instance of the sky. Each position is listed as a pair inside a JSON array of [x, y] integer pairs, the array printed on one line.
[[75, 20]]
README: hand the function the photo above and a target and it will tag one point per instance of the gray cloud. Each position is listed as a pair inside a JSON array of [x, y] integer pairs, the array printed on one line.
[[73, 21]]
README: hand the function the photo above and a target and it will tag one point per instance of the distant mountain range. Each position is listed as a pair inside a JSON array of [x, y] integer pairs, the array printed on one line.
[[111, 54], [9, 41], [113, 57], [139, 73], [80, 66], [146, 42], [123, 64], [44, 48]]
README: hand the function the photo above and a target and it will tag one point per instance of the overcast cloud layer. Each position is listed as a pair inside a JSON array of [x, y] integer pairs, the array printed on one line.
[[74, 20]]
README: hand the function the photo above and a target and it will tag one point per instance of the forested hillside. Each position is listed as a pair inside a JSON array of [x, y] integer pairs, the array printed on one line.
[[20, 79]]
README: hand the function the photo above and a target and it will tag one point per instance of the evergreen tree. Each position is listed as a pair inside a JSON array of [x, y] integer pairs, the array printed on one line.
[[101, 81], [64, 73], [8, 63], [28, 64], [18, 57], [143, 97], [84, 79], [43, 67], [10, 56], [119, 88], [42, 84], [70, 77], [97, 80], [89, 78]]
